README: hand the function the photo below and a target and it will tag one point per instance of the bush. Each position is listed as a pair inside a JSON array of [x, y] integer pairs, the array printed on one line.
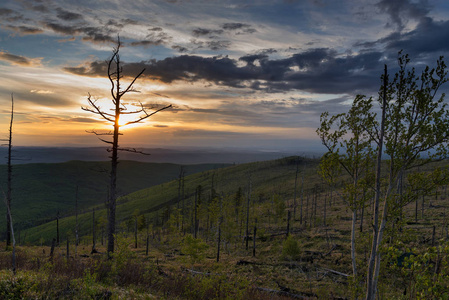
[[290, 249]]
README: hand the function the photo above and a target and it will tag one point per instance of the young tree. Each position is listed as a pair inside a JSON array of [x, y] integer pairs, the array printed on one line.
[[115, 75], [348, 161], [413, 130]]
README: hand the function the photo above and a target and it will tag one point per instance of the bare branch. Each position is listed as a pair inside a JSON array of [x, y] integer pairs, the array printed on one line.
[[129, 88], [102, 133], [147, 115], [107, 142], [133, 150], [97, 110]]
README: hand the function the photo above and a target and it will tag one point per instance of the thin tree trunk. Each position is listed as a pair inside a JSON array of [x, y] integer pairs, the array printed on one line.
[[57, 229], [219, 238], [302, 194], [94, 238], [9, 184], [195, 224], [353, 254], [254, 238], [247, 213], [135, 233], [76, 220], [374, 256], [296, 182]]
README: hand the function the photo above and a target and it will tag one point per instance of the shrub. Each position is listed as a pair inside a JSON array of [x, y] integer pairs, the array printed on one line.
[[290, 249]]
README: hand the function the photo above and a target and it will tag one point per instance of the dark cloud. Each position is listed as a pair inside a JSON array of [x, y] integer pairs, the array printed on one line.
[[218, 45], [94, 69], [24, 30], [68, 15], [400, 11], [121, 23], [234, 26], [10, 15], [240, 28], [316, 70], [180, 48], [147, 43], [153, 39], [18, 59], [94, 34], [429, 37], [204, 31], [6, 12]]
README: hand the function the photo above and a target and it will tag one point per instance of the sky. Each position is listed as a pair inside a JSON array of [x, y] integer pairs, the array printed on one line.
[[239, 74]]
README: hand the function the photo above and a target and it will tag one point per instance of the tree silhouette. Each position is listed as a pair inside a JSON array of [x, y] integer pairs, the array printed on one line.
[[9, 181], [115, 74]]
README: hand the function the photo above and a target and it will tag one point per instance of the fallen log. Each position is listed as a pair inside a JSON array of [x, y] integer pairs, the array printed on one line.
[[335, 272]]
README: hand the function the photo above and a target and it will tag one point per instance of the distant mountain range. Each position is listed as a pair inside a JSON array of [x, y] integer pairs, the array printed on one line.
[[25, 155]]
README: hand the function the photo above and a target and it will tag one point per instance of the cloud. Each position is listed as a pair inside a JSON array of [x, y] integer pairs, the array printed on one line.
[[89, 33], [121, 23], [10, 15], [317, 70], [19, 60], [6, 12], [426, 38], [239, 28], [83, 120], [154, 38], [42, 92], [24, 30], [400, 11], [68, 15], [204, 31]]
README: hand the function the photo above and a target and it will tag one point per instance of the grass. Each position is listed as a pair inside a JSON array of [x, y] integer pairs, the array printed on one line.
[[177, 269]]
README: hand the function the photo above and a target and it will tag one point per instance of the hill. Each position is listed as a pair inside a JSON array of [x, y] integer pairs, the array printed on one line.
[[270, 248], [41, 190], [267, 178]]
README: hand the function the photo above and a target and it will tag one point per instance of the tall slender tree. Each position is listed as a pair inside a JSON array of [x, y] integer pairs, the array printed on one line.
[[115, 75], [413, 130], [9, 183]]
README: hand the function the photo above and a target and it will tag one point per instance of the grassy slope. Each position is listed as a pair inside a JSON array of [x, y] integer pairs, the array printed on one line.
[[40, 190], [324, 247], [266, 178]]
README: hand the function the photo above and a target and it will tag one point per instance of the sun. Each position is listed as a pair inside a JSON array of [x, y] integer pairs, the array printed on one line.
[[124, 119]]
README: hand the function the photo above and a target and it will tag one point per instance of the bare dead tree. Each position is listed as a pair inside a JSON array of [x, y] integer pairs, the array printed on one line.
[[115, 74], [9, 177]]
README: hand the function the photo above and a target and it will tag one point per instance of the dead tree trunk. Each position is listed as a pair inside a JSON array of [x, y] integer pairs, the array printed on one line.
[[296, 182], [94, 238], [254, 238], [9, 183], [115, 75], [247, 213]]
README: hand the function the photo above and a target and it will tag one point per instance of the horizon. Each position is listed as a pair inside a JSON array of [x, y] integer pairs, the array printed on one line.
[[238, 75]]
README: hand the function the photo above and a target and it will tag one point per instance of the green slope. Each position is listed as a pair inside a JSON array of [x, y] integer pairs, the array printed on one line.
[[266, 178], [41, 190]]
